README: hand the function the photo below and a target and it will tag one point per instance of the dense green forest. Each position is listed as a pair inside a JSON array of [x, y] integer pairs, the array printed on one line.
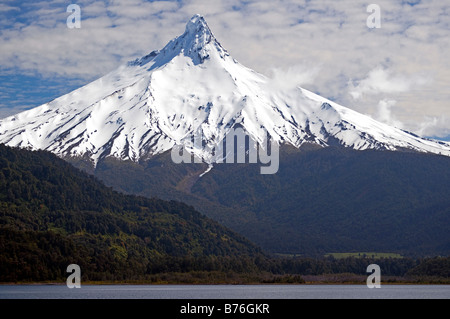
[[322, 200], [53, 215]]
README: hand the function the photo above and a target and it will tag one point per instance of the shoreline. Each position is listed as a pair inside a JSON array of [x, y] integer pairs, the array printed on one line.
[[148, 283]]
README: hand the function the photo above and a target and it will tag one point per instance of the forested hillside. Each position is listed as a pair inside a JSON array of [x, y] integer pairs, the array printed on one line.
[[53, 215], [322, 200]]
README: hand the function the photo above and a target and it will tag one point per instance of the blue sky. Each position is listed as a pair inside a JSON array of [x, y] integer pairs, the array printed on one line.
[[398, 74]]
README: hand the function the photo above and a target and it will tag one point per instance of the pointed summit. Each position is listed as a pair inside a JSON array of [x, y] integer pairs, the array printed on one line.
[[196, 38], [197, 26], [197, 42]]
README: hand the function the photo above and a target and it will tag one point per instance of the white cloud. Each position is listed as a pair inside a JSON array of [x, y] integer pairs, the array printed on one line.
[[5, 8], [385, 115], [435, 127], [293, 76], [380, 80]]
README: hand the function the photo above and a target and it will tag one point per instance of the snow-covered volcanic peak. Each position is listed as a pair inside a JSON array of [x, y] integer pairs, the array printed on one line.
[[193, 87], [196, 43]]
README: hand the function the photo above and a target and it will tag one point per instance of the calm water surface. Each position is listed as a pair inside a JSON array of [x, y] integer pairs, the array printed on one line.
[[224, 292]]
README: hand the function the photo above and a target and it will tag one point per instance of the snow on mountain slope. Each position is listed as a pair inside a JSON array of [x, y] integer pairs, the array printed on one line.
[[193, 86]]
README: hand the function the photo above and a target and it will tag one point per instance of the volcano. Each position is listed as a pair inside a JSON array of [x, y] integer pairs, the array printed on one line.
[[192, 85]]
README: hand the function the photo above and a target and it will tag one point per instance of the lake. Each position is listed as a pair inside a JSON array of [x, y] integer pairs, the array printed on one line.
[[224, 292]]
